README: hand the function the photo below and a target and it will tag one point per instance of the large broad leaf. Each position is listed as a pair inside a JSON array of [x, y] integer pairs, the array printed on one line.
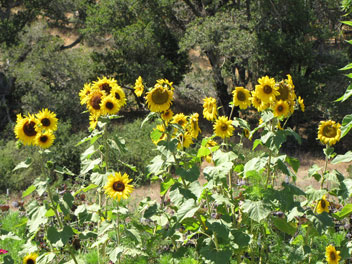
[[156, 165], [219, 227], [88, 165], [256, 164], [220, 157], [346, 125], [219, 172], [190, 174], [346, 95], [283, 226], [214, 256], [24, 164], [345, 211], [37, 218], [347, 157], [256, 210], [241, 238], [46, 258], [59, 238], [28, 191], [188, 209]]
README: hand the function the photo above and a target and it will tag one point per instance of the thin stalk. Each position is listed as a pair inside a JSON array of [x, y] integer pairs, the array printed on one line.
[[215, 237], [118, 234], [324, 171], [268, 170]]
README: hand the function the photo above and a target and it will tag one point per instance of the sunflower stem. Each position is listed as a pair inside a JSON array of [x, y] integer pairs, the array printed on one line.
[[325, 169], [118, 233]]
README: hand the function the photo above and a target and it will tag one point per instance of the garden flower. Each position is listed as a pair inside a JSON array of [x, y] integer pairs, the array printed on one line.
[[332, 256], [258, 103], [109, 105], [194, 127], [105, 85], [210, 110], [159, 98], [30, 258], [25, 129], [83, 94], [180, 119], [329, 132], [286, 92], [266, 89], [3, 251], [281, 109], [241, 97], [44, 139], [139, 87], [323, 205], [185, 140], [165, 83], [167, 115], [47, 120], [119, 94], [93, 121], [300, 102], [94, 101], [118, 186], [223, 127]]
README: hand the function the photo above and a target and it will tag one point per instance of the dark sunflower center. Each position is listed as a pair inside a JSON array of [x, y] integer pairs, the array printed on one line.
[[241, 96], [332, 256], [322, 203], [223, 127], [284, 92], [109, 105], [46, 122], [118, 186], [180, 122], [329, 131], [267, 89], [30, 261], [95, 102], [280, 108], [105, 87], [160, 97], [29, 130], [43, 139]]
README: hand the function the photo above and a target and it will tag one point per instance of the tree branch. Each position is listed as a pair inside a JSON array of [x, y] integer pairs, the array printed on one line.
[[78, 40]]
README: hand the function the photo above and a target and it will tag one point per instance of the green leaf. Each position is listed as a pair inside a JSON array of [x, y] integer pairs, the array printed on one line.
[[294, 163], [165, 186], [218, 227], [10, 236], [24, 164], [97, 179], [218, 172], [156, 134], [150, 116], [283, 226], [46, 258], [135, 234], [239, 122], [28, 191], [191, 174], [241, 238], [347, 23], [187, 209], [220, 157], [347, 67], [203, 151], [293, 214], [156, 165], [37, 218], [346, 95], [214, 256], [256, 210], [88, 152], [346, 125], [314, 172], [256, 143], [345, 211], [59, 239], [256, 164], [88, 165]]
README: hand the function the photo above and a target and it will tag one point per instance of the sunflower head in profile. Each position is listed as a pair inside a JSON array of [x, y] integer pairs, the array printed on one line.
[[25, 129], [332, 256], [119, 94], [266, 89], [329, 132], [167, 115], [258, 103], [301, 103], [286, 92], [118, 186], [194, 126], [241, 97], [184, 140], [281, 109], [84, 93], [223, 127], [159, 99], [165, 83], [47, 120], [30, 258], [94, 101], [44, 139], [210, 111], [93, 121], [139, 87], [105, 85], [323, 205], [109, 105]]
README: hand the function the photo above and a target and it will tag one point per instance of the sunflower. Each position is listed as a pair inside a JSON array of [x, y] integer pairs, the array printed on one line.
[[159, 98], [323, 205], [194, 126], [118, 186], [83, 94], [241, 97], [109, 105], [185, 140], [210, 110], [281, 109], [266, 89], [25, 129], [210, 144], [167, 115], [258, 103], [246, 133], [332, 256], [223, 127], [329, 132], [30, 258], [165, 83], [105, 85], [45, 139], [94, 100], [180, 119], [301, 103], [119, 94], [47, 120], [139, 87], [93, 121], [285, 92]]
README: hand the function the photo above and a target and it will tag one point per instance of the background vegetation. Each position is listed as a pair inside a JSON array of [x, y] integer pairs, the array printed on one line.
[[49, 49]]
